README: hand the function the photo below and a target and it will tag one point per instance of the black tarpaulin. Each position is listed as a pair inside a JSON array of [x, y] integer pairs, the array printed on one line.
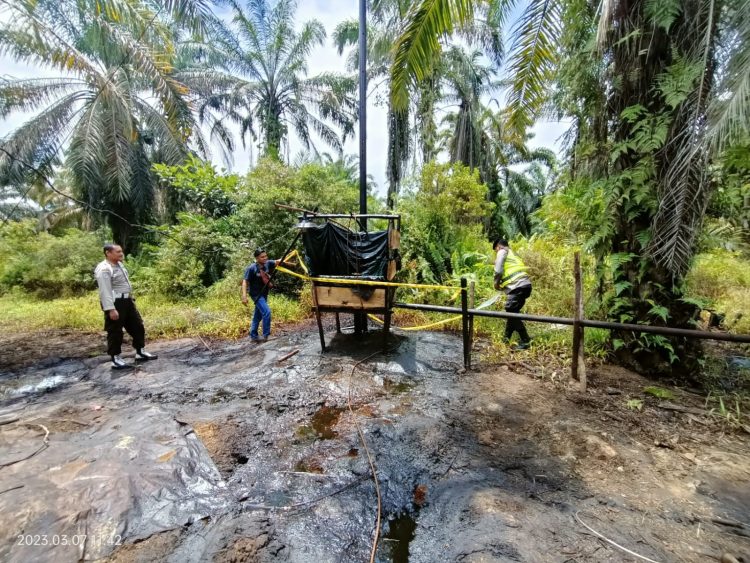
[[332, 250], [133, 474]]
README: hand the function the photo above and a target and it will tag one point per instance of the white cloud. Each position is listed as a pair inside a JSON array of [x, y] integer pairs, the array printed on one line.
[[549, 134]]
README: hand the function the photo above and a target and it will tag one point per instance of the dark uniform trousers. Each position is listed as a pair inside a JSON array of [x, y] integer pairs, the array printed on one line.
[[513, 304], [130, 320]]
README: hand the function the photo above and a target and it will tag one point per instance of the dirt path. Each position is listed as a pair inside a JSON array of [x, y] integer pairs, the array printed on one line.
[[218, 452]]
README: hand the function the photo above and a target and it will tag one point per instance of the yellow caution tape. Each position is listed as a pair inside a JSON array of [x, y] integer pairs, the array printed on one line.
[[300, 262], [422, 327], [366, 282], [344, 281], [483, 305]]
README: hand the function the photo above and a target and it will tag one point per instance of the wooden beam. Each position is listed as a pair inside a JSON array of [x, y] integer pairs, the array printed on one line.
[[578, 365]]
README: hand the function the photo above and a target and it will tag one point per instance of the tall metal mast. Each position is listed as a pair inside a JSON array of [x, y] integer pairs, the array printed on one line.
[[363, 111]]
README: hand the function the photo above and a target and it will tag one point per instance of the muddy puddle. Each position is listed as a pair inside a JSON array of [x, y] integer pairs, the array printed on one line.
[[219, 452]]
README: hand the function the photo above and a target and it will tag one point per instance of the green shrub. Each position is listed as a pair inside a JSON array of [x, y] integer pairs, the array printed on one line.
[[46, 265], [198, 187], [194, 254], [18, 242], [722, 278], [442, 226]]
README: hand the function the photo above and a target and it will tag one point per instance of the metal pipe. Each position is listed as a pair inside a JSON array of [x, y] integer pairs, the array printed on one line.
[[363, 112], [335, 215], [360, 319], [465, 323], [354, 215], [667, 331]]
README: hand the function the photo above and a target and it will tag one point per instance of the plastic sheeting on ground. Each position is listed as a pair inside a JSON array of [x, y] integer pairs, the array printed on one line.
[[135, 473], [332, 250]]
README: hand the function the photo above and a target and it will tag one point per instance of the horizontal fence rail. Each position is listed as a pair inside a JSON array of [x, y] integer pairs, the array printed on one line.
[[664, 330], [578, 323]]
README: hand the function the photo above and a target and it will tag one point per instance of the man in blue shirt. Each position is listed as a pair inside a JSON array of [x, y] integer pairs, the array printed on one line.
[[257, 281]]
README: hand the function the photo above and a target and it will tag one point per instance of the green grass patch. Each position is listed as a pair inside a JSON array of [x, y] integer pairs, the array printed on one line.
[[548, 340], [215, 316], [659, 392], [723, 279]]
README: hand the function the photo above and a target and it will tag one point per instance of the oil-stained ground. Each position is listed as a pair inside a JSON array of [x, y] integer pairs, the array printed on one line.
[[219, 452]]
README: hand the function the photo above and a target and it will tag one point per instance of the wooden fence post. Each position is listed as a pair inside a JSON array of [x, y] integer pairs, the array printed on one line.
[[578, 366], [465, 324], [471, 317]]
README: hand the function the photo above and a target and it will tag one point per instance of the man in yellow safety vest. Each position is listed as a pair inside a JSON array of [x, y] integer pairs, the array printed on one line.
[[512, 278]]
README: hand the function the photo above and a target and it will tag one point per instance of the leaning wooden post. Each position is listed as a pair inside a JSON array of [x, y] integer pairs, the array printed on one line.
[[471, 317], [317, 317], [578, 366], [465, 323]]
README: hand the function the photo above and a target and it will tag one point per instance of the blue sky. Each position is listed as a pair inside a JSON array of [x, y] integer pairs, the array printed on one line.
[[324, 58]]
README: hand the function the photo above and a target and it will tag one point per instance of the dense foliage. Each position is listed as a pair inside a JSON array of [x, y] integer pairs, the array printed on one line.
[[46, 265]]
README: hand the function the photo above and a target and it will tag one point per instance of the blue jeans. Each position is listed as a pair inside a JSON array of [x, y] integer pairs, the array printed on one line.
[[262, 312]]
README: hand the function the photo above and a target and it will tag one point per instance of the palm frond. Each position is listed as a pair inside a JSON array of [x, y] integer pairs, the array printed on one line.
[[86, 156], [303, 120], [31, 94], [152, 67], [35, 144], [167, 138], [729, 110], [198, 15], [44, 49], [419, 44], [486, 31], [684, 187], [346, 34], [118, 128], [533, 59], [301, 45]]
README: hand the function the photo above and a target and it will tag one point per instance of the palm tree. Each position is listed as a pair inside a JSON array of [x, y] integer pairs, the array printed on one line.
[[466, 80], [428, 22], [516, 175], [533, 53], [535, 65], [521, 196], [674, 90], [264, 83], [114, 109], [415, 117]]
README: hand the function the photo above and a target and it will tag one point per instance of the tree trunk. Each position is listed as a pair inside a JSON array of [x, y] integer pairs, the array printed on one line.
[[646, 292]]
